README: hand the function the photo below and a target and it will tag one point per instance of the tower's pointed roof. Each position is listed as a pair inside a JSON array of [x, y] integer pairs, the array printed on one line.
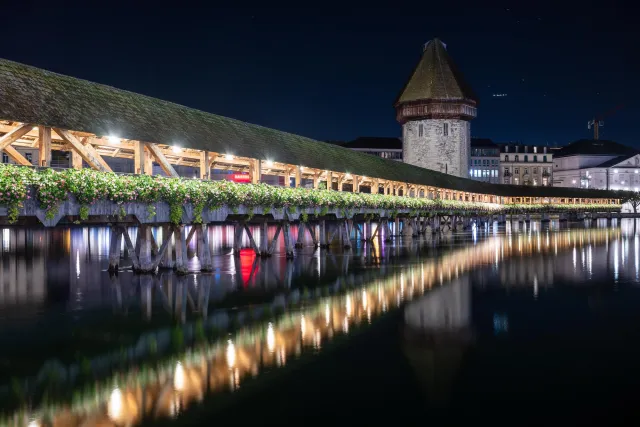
[[436, 77]]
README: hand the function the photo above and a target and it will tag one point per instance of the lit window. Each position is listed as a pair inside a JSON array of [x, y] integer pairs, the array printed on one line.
[[615, 171]]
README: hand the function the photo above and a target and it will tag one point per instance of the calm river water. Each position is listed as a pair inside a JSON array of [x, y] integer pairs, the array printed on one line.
[[523, 323]]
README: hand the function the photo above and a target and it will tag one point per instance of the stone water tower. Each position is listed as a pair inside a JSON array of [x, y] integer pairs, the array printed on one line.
[[435, 108]]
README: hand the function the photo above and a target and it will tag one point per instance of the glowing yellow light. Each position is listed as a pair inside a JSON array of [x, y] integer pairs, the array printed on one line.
[[303, 324], [115, 405], [364, 299], [34, 423], [348, 305], [114, 139], [271, 338], [178, 377], [229, 157], [269, 163], [327, 314], [231, 354], [176, 149], [345, 325]]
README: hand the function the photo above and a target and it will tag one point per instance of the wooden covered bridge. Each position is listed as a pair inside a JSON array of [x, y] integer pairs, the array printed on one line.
[[47, 112]]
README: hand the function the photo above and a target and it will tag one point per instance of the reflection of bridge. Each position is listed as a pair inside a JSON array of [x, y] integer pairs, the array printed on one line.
[[224, 365]]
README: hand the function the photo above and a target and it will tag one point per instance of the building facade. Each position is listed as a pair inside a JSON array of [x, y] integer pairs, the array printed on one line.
[[435, 108], [387, 148], [526, 165], [484, 162], [597, 164]]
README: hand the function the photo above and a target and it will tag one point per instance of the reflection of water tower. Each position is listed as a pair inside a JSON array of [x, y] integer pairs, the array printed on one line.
[[437, 333]]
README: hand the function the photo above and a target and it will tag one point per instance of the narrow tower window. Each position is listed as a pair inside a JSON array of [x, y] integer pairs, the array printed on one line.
[[420, 129], [445, 129]]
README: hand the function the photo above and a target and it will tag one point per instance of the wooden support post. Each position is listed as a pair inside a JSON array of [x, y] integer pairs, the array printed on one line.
[[180, 235], [389, 237], [144, 257], [376, 232], [237, 238], [356, 185], [368, 232], [346, 238], [298, 177], [313, 234], [252, 240], [192, 232], [329, 182], [131, 248], [44, 146], [204, 252], [156, 153], [300, 239], [168, 236], [114, 248], [264, 239], [287, 240], [139, 158], [161, 253], [323, 234], [86, 151], [274, 242], [205, 164], [255, 171], [76, 159]]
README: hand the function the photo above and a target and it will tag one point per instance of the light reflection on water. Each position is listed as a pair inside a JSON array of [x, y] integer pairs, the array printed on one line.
[[523, 256]]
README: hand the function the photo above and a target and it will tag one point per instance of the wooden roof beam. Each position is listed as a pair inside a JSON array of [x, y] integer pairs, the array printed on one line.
[[87, 152], [16, 156], [15, 135], [162, 160]]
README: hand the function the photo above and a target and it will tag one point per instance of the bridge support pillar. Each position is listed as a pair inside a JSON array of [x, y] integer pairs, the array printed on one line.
[[288, 247], [368, 236], [204, 252], [264, 239], [300, 240], [143, 242], [323, 234], [396, 229], [114, 248], [181, 249], [345, 235], [167, 257], [387, 229]]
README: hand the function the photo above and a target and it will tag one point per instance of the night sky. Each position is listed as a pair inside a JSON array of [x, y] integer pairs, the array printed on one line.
[[334, 73]]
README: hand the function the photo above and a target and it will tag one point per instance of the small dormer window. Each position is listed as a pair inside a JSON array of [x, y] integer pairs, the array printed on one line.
[[445, 129], [420, 130], [535, 149]]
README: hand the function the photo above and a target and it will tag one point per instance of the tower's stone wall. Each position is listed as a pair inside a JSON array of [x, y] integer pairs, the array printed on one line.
[[425, 144]]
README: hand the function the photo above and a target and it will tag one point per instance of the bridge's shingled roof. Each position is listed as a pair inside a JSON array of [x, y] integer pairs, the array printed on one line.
[[34, 95]]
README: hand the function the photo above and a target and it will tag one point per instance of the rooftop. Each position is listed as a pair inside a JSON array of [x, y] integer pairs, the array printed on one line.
[[595, 147], [33, 95], [483, 143], [375, 142], [436, 77]]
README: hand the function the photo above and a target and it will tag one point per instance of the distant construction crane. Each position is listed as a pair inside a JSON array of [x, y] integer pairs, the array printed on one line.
[[597, 122]]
